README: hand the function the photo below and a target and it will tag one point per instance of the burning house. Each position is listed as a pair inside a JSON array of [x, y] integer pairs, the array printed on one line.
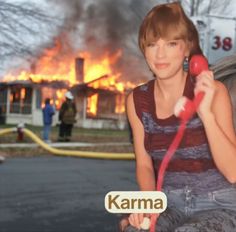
[[99, 107], [99, 96], [21, 101], [100, 102]]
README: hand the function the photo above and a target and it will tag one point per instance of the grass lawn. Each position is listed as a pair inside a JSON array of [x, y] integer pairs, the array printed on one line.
[[78, 135]]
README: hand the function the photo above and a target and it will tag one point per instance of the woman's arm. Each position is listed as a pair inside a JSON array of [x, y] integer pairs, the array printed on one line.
[[144, 167], [216, 114]]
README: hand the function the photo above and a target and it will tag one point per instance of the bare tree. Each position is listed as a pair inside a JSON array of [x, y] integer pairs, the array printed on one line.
[[26, 29], [203, 7], [218, 5], [19, 23]]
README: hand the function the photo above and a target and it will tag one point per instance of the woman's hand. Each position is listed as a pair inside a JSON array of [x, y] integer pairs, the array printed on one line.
[[205, 83], [136, 219]]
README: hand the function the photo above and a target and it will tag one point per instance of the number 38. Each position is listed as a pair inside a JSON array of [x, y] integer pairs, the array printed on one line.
[[225, 44]]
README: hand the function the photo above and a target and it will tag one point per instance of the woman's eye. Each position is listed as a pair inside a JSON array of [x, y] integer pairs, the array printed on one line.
[[172, 44], [150, 44]]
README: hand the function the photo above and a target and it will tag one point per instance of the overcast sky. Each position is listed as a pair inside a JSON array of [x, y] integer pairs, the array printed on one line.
[[98, 25]]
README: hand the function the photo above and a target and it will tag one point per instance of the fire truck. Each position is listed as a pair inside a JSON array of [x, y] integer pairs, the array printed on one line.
[[217, 36]]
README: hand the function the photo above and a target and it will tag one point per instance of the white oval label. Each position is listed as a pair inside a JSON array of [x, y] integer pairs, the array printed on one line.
[[135, 202]]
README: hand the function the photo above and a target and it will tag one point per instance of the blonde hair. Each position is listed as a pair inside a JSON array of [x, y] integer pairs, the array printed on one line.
[[168, 21]]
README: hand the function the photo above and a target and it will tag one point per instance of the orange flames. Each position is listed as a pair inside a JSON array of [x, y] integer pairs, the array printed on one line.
[[92, 104], [58, 64], [51, 66]]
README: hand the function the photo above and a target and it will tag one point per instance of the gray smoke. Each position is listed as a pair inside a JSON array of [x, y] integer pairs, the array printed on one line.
[[106, 26], [26, 29], [97, 26], [101, 27]]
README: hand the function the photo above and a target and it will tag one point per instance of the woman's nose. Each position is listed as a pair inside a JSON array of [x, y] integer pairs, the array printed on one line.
[[160, 52]]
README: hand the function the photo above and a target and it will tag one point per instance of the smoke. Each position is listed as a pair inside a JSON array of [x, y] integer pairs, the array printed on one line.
[[105, 27], [25, 29], [99, 27]]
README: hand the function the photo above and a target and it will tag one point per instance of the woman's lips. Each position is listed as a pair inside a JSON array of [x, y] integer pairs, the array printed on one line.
[[161, 65]]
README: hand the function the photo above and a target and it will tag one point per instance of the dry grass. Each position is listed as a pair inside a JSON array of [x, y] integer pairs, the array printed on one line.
[[79, 135]]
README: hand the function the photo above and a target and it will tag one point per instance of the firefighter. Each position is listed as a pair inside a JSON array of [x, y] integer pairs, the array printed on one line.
[[67, 116]]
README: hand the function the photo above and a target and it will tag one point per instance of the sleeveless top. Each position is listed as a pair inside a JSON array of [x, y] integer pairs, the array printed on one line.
[[159, 133]]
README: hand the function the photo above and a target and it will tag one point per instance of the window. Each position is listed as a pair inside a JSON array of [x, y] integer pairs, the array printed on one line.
[[20, 100]]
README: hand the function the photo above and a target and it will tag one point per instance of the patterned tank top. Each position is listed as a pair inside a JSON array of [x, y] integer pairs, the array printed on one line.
[[159, 133]]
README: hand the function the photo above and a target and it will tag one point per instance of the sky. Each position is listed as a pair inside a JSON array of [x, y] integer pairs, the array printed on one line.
[[95, 26]]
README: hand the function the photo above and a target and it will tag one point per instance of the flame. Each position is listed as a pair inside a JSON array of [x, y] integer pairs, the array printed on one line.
[[22, 93], [120, 104], [92, 104], [11, 98], [56, 96], [58, 64], [94, 69], [55, 64]]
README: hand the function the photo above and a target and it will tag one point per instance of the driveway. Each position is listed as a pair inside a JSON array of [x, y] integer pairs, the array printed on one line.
[[60, 194]]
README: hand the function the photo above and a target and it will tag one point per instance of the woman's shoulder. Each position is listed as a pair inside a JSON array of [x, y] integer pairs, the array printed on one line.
[[221, 88], [222, 100], [141, 89], [141, 97], [144, 87]]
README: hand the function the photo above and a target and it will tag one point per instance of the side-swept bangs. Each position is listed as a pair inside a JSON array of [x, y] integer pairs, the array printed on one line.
[[168, 21]]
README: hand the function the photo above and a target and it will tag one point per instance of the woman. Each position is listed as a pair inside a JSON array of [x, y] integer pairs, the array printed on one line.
[[199, 182]]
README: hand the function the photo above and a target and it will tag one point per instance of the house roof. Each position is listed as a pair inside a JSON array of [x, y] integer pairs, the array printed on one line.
[[89, 86], [52, 84]]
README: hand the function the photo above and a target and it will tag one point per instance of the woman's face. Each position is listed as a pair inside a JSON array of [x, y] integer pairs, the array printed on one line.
[[165, 57]]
